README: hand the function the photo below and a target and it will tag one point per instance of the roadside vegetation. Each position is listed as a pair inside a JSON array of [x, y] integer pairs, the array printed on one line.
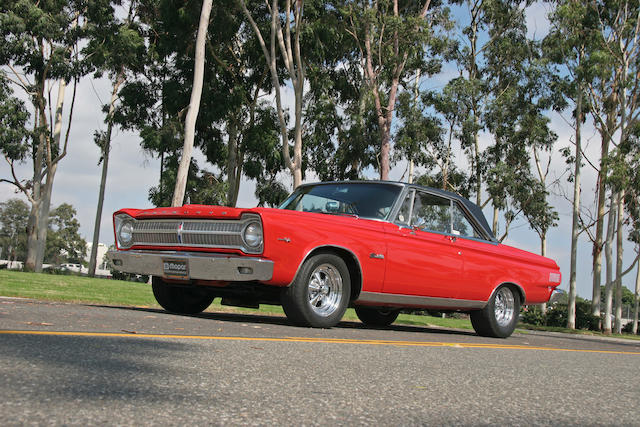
[[81, 289]]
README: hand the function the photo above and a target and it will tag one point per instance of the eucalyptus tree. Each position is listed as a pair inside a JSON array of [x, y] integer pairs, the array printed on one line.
[[420, 137], [568, 46], [115, 48], [393, 39], [486, 25], [501, 93], [340, 128], [40, 48], [13, 223], [633, 206], [155, 97], [64, 243], [240, 108], [515, 118], [284, 35], [614, 96], [194, 105]]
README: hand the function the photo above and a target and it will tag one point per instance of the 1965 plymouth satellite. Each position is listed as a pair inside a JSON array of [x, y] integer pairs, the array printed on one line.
[[380, 247]]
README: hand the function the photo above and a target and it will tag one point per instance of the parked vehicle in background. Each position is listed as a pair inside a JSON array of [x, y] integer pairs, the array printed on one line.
[[379, 247]]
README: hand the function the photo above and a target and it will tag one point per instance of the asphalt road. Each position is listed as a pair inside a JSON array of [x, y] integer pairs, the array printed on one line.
[[66, 364]]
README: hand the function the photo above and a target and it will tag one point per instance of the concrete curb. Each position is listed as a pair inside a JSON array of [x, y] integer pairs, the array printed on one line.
[[631, 342]]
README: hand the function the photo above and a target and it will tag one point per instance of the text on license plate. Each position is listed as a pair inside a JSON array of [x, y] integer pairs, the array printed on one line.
[[176, 268]]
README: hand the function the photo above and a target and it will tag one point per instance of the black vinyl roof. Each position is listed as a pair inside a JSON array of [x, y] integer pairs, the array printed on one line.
[[473, 209]]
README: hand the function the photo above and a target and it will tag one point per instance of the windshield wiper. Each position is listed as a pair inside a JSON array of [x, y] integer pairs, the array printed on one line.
[[341, 214]]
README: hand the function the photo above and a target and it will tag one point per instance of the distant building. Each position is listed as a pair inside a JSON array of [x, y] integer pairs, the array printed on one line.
[[101, 261]]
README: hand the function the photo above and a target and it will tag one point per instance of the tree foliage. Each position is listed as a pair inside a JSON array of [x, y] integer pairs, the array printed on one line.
[[64, 243], [13, 226]]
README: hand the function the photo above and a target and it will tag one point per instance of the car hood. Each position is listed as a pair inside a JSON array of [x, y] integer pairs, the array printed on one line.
[[188, 211]]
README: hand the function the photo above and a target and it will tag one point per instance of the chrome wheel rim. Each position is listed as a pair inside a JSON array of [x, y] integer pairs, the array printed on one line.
[[325, 290], [505, 306]]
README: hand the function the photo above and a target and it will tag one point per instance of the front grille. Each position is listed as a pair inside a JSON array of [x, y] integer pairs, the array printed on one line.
[[207, 233]]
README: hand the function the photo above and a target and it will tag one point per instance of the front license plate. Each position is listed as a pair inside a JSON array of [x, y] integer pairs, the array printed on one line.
[[175, 268]]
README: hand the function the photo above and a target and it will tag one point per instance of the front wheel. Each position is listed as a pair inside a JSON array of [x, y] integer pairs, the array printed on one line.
[[376, 316], [180, 299], [499, 317], [320, 292]]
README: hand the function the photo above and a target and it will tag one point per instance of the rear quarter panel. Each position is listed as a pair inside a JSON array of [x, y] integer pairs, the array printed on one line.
[[486, 266]]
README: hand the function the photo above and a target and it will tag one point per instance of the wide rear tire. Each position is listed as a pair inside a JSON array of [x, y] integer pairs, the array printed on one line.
[[180, 299], [499, 317], [376, 317], [319, 295]]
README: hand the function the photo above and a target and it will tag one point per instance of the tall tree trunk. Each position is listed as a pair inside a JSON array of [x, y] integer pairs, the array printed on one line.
[[496, 214], [619, 254], [32, 235], [609, 265], [232, 161], [636, 302], [106, 148], [194, 106], [597, 244], [291, 54], [33, 224], [44, 161], [571, 310]]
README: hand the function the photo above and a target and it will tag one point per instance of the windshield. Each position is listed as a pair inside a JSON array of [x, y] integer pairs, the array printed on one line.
[[364, 200]]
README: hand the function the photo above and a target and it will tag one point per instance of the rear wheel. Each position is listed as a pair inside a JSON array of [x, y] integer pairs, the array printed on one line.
[[180, 299], [320, 292], [499, 317], [371, 316]]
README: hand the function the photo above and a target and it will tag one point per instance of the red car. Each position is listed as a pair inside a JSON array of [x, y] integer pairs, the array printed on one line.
[[379, 247]]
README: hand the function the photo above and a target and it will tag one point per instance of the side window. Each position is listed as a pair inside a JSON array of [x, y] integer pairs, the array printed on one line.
[[431, 213], [461, 225], [404, 215]]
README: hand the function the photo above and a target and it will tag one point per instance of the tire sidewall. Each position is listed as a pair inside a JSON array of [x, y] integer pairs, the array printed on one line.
[[376, 317], [297, 294], [498, 330], [179, 300]]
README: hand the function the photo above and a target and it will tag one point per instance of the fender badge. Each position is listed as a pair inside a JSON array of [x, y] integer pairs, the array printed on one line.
[[284, 239]]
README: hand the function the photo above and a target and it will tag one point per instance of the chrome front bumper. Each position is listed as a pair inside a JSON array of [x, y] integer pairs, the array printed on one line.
[[197, 265]]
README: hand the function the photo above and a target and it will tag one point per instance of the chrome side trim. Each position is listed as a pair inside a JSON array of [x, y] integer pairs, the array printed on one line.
[[202, 266], [418, 301]]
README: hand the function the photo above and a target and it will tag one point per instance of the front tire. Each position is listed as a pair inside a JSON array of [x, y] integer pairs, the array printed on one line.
[[320, 292], [180, 299], [499, 317], [371, 316]]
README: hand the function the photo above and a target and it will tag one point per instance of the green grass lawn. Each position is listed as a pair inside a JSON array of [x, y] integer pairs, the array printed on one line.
[[79, 289]]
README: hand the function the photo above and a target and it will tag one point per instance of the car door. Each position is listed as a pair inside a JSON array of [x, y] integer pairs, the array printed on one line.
[[422, 257]]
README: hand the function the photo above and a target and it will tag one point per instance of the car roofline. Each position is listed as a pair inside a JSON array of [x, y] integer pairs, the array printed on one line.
[[473, 209]]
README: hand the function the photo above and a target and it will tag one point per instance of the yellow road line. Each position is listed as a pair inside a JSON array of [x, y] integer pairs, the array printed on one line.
[[315, 340]]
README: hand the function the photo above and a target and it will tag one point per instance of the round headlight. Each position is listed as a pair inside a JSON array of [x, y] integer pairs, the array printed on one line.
[[253, 235], [126, 233]]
